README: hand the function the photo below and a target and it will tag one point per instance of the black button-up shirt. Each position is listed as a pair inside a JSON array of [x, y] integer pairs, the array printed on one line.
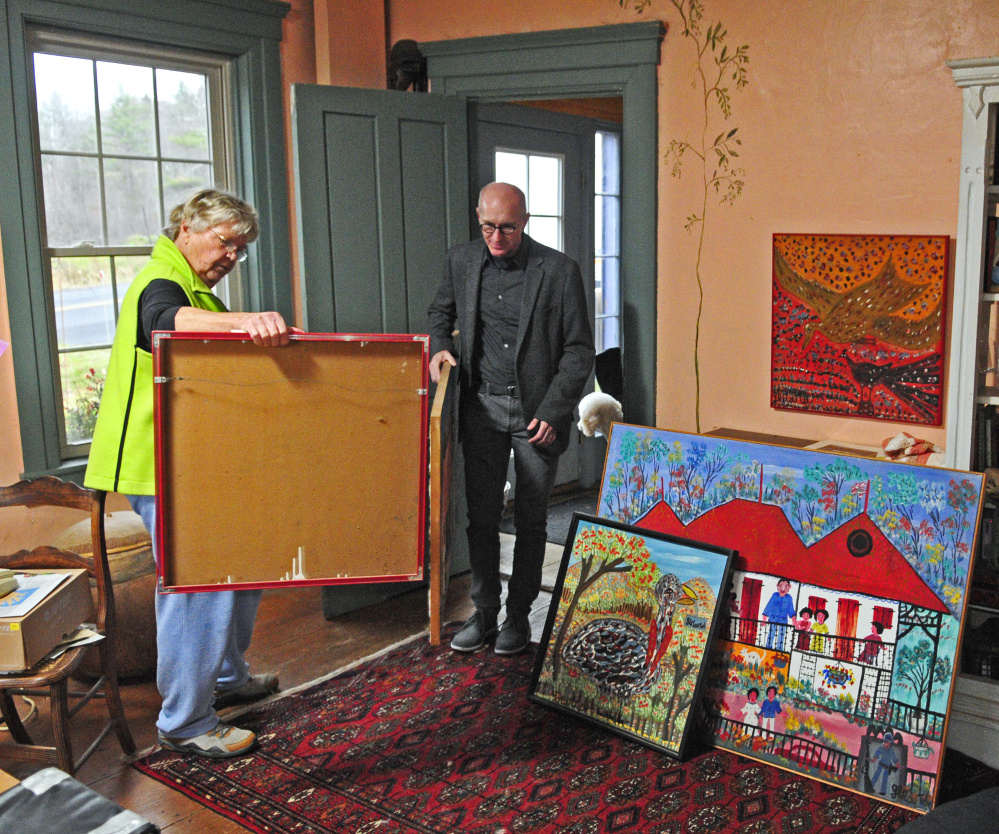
[[500, 295]]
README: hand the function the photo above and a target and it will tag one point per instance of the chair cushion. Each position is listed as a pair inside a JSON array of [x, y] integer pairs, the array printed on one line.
[[974, 814]]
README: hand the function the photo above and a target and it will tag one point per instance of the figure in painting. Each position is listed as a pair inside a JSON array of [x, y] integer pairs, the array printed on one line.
[[803, 625], [617, 655], [872, 645], [820, 629], [729, 615], [780, 609], [751, 709], [770, 709], [887, 760]]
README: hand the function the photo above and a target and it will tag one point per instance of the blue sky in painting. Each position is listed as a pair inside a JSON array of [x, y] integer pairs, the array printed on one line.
[[685, 561], [928, 514]]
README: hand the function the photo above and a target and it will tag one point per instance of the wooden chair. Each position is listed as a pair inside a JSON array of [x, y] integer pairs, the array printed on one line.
[[51, 678]]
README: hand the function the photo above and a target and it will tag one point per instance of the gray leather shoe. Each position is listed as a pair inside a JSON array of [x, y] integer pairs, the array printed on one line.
[[514, 637], [473, 634]]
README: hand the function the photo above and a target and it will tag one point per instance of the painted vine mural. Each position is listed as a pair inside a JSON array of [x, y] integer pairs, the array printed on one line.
[[719, 70]]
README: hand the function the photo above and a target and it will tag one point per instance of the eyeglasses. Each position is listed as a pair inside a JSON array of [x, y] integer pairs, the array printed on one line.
[[231, 248], [506, 229]]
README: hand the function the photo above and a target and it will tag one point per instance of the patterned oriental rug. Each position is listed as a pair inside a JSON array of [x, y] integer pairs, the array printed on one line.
[[422, 739]]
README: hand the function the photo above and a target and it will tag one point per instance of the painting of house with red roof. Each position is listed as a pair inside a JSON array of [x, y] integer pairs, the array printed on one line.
[[840, 629]]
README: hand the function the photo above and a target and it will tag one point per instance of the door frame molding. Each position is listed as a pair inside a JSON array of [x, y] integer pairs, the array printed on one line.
[[618, 60]]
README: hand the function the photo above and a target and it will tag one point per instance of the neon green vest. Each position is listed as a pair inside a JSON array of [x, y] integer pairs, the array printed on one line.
[[122, 454]]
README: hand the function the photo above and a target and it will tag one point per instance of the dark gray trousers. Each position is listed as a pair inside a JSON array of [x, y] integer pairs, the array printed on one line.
[[492, 425]]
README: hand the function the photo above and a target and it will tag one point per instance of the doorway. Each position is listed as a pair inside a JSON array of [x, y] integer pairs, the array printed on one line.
[[619, 61], [551, 152]]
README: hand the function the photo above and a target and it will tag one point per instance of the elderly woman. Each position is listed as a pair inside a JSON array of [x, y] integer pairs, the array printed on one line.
[[201, 637]]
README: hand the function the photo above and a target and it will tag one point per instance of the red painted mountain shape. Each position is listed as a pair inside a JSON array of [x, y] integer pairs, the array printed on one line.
[[767, 543]]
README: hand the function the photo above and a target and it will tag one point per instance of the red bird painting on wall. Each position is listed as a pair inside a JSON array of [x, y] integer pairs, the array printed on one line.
[[858, 325]]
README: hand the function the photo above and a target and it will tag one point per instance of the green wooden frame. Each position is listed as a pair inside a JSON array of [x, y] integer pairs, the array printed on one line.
[[619, 60], [247, 30]]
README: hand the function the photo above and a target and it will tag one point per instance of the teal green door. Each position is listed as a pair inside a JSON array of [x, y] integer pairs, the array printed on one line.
[[381, 194]]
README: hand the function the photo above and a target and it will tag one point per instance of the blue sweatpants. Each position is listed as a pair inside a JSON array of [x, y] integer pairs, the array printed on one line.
[[201, 640]]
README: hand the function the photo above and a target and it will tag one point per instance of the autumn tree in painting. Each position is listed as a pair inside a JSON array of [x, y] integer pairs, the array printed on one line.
[[600, 551]]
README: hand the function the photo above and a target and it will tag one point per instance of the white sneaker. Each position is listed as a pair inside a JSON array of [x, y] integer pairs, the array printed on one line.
[[219, 743]]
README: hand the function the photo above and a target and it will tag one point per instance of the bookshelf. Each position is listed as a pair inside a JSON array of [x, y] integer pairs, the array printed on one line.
[[973, 398]]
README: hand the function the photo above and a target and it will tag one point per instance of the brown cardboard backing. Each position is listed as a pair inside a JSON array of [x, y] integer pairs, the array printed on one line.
[[295, 464]]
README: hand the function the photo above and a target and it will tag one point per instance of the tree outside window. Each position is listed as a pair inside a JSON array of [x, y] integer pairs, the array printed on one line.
[[121, 141]]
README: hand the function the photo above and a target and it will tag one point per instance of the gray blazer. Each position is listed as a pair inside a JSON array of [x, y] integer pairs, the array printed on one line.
[[554, 339]]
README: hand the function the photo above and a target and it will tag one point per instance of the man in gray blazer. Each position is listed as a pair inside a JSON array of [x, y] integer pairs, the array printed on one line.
[[526, 354]]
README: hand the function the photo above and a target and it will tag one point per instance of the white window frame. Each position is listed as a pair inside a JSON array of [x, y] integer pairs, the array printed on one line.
[[95, 48]]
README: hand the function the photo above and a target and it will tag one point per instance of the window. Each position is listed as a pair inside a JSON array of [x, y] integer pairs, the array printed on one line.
[[244, 42], [540, 178], [123, 135], [607, 228]]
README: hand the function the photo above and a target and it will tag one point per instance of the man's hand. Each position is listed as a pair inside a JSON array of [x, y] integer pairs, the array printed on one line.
[[267, 329], [439, 359], [545, 435]]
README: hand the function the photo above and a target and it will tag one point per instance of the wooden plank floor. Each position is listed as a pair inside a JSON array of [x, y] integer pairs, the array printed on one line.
[[292, 639]]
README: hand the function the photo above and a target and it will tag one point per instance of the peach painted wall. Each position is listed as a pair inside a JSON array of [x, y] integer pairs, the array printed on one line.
[[850, 123]]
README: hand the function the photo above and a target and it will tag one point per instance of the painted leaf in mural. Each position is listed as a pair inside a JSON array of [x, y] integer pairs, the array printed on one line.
[[839, 634], [858, 325]]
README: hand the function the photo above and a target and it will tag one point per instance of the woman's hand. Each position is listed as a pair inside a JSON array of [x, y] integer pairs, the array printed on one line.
[[267, 329]]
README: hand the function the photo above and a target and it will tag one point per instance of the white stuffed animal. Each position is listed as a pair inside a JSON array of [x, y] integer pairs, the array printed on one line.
[[596, 413]]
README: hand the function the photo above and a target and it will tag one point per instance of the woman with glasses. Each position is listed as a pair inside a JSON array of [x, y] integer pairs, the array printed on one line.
[[201, 638]]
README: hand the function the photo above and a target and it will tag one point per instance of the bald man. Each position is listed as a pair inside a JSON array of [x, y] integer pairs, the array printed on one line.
[[526, 354]]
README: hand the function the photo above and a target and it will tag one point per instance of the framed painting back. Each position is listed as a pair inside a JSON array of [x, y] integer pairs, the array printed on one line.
[[304, 464], [841, 625]]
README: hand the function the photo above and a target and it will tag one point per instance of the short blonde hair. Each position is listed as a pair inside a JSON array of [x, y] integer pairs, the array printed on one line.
[[211, 207]]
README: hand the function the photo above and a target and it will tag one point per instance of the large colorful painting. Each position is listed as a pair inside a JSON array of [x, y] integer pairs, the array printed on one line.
[[838, 647], [632, 613], [858, 325]]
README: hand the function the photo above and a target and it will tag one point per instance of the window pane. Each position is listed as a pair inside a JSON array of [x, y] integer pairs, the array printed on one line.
[[83, 373], [72, 200], [126, 96], [606, 225], [608, 166], [183, 104], [83, 301], [126, 267], [607, 330], [133, 201], [546, 230], [64, 93], [545, 196], [181, 179], [609, 271], [512, 168]]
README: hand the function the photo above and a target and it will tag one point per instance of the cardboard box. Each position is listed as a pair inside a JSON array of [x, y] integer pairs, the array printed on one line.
[[26, 640], [7, 781]]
